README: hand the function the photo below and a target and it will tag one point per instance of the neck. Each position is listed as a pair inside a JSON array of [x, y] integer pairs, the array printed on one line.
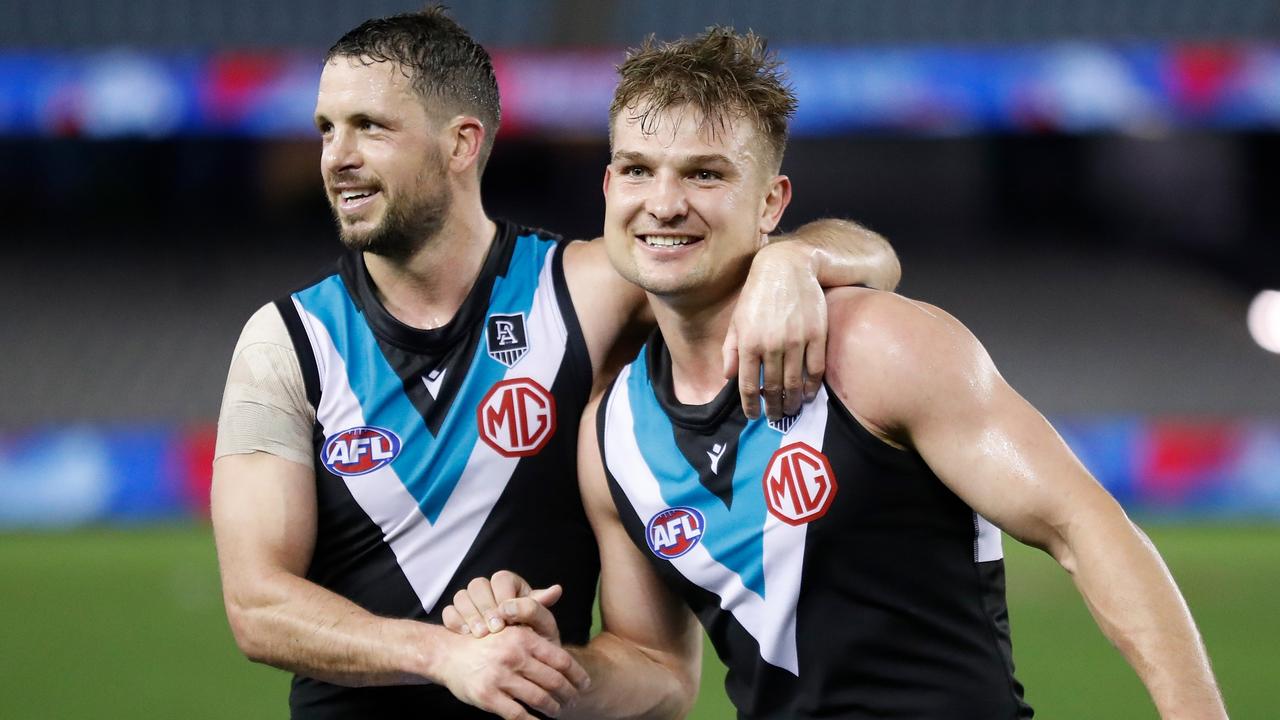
[[426, 289], [694, 334]]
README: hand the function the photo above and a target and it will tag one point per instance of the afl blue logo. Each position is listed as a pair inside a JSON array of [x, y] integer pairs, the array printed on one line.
[[360, 450], [674, 531]]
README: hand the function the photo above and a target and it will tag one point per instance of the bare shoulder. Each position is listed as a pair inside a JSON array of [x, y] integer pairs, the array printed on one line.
[[890, 357], [584, 256]]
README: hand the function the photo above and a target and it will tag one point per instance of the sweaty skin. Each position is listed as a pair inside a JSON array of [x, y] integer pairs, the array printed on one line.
[[405, 181], [907, 371]]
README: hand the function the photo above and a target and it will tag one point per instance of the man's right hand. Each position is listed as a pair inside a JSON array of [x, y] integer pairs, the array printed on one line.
[[499, 672], [487, 605]]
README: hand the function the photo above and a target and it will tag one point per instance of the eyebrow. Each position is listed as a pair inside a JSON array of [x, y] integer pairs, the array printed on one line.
[[705, 159]]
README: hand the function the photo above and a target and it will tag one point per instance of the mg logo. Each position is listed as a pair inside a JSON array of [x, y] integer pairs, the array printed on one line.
[[799, 484], [517, 417]]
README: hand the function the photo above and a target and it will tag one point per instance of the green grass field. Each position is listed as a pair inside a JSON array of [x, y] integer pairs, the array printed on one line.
[[129, 624]]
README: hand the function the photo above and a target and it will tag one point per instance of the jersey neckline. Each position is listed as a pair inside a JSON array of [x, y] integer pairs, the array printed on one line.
[[471, 311], [696, 417]]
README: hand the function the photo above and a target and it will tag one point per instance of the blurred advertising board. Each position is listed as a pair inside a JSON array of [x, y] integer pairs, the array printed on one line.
[[1158, 469], [1069, 88]]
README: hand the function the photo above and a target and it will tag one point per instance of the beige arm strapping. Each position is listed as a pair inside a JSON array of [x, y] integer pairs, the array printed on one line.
[[264, 406]]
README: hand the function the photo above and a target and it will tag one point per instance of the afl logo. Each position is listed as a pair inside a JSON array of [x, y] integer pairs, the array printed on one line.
[[517, 417], [674, 531], [799, 484], [360, 450]]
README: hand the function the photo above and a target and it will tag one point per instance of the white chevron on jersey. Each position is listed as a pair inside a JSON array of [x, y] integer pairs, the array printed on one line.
[[770, 620], [430, 554]]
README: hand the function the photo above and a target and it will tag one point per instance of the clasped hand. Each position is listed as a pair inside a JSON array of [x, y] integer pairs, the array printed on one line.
[[505, 672]]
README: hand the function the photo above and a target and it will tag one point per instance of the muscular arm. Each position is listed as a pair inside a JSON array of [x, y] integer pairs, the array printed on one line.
[[646, 661], [918, 378], [265, 519]]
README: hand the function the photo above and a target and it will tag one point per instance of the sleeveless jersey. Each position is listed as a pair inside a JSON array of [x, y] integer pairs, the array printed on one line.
[[447, 454], [836, 576]]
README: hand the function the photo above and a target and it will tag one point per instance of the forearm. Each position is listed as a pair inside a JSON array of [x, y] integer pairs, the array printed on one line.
[[628, 683], [293, 624], [843, 253], [1138, 606]]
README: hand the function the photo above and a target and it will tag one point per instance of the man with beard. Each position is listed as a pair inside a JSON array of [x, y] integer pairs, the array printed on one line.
[[409, 421]]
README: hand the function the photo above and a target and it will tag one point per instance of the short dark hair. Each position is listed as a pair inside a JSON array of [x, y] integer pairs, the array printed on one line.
[[442, 61], [727, 76]]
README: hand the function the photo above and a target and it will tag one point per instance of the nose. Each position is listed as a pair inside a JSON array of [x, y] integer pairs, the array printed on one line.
[[341, 152], [667, 200]]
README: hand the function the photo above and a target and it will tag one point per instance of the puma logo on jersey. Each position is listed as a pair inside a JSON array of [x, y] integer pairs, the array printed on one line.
[[715, 453], [360, 450], [674, 531]]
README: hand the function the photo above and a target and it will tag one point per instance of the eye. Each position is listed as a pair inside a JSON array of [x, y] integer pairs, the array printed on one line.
[[706, 175], [367, 124], [324, 128], [635, 171]]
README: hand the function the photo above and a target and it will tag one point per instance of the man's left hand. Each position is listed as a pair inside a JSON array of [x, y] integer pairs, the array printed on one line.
[[780, 323]]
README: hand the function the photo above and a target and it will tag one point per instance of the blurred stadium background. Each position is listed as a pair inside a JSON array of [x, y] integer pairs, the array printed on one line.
[[1091, 186]]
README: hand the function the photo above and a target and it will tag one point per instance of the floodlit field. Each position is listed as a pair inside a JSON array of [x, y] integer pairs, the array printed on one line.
[[129, 624]]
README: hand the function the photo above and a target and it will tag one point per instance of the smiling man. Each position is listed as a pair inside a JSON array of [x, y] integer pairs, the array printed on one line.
[[846, 561], [410, 420]]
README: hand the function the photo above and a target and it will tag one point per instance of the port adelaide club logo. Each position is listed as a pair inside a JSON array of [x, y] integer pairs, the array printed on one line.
[[506, 338], [674, 531], [360, 450]]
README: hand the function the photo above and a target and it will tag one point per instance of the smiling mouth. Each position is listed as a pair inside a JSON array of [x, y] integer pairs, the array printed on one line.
[[355, 198], [666, 241]]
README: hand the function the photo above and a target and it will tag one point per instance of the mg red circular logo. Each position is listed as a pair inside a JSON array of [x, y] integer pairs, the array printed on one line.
[[799, 484], [517, 417]]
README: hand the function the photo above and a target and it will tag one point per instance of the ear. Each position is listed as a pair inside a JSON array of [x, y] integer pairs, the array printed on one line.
[[608, 176], [775, 203], [467, 134]]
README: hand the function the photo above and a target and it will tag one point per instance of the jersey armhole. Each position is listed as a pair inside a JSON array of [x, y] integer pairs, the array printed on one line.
[[576, 342], [302, 346]]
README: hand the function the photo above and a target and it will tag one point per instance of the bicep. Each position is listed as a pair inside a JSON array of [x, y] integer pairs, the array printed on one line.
[[1004, 459], [264, 517]]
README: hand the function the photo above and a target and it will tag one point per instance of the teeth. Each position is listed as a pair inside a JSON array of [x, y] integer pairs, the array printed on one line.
[[667, 240], [354, 194]]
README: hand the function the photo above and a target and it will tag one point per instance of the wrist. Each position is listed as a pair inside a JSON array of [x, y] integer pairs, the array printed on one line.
[[425, 649], [790, 252]]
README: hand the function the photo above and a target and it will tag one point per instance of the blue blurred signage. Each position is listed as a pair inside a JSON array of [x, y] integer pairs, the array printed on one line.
[[1068, 88]]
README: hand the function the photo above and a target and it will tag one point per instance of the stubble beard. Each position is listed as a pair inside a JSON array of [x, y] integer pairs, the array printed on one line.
[[406, 226]]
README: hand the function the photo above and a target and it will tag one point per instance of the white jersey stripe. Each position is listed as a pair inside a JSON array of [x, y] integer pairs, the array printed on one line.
[[770, 620], [429, 554]]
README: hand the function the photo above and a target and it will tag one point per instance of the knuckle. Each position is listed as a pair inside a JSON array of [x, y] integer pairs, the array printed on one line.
[[477, 585]]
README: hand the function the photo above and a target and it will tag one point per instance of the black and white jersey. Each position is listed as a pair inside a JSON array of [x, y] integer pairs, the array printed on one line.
[[444, 455], [836, 575]]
